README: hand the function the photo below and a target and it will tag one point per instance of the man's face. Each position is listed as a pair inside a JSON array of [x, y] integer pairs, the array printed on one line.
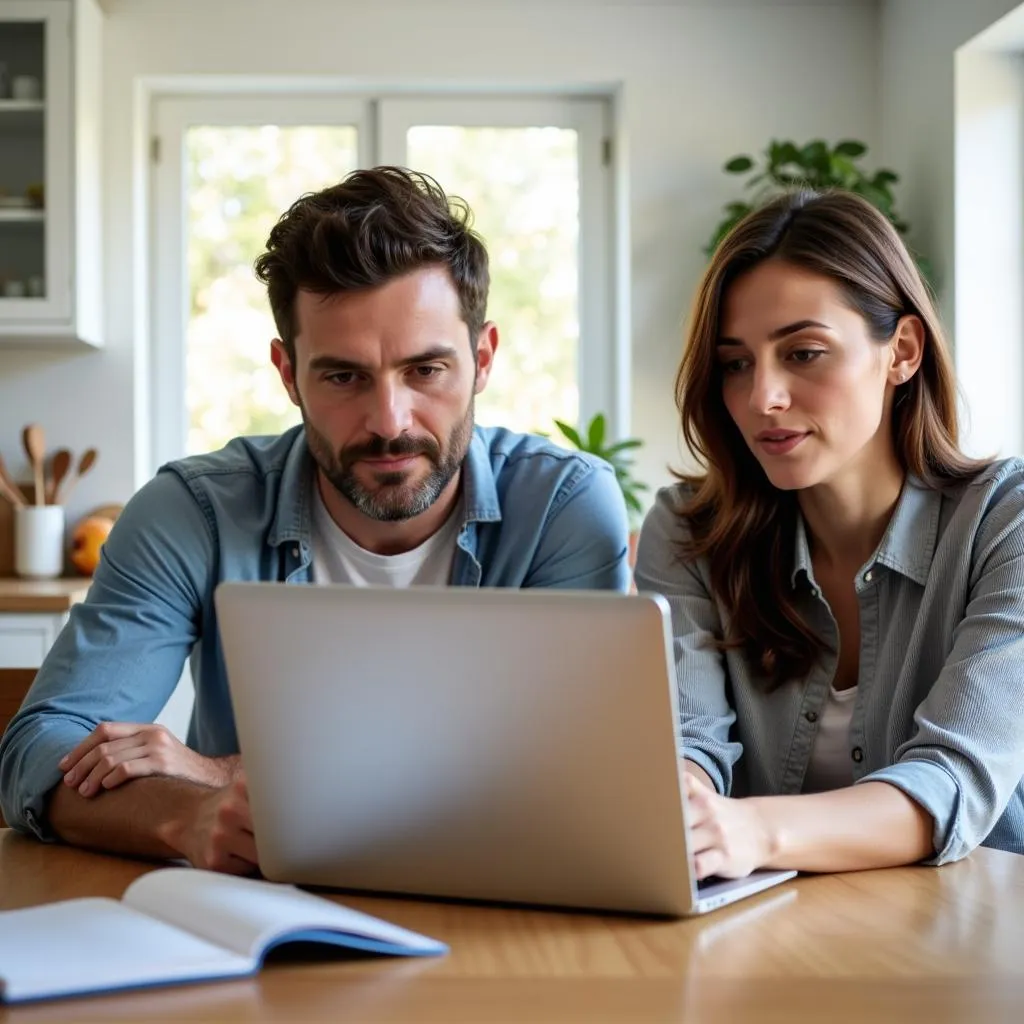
[[386, 379]]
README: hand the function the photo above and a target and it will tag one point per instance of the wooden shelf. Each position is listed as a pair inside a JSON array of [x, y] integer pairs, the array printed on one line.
[[41, 595]]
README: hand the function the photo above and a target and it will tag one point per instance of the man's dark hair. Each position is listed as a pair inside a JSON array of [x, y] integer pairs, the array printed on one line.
[[374, 226]]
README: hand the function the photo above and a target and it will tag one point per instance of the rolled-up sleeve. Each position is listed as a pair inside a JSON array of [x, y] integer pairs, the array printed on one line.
[[123, 649], [705, 715], [966, 756]]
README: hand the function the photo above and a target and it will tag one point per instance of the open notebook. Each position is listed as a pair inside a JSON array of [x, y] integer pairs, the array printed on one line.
[[177, 925]]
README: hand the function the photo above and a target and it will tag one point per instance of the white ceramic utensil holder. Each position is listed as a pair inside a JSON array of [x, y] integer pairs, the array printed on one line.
[[39, 541]]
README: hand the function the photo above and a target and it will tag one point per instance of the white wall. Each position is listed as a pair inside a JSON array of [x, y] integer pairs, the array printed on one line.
[[963, 224], [989, 257], [918, 41], [699, 83]]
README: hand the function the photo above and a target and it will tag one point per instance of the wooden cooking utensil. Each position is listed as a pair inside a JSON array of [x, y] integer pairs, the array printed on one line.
[[85, 462], [9, 489], [59, 466], [34, 439]]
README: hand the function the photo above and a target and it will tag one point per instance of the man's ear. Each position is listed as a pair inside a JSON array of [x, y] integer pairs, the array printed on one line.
[[486, 346], [283, 364]]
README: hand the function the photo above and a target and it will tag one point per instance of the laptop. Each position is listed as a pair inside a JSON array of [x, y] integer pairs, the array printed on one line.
[[484, 744]]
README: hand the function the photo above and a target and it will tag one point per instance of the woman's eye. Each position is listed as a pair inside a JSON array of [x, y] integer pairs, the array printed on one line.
[[807, 355], [734, 366]]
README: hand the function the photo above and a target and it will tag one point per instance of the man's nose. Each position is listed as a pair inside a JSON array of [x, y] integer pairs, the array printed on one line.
[[390, 411]]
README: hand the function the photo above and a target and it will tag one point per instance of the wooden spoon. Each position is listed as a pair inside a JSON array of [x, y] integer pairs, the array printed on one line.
[[59, 466], [9, 489], [34, 439], [85, 463]]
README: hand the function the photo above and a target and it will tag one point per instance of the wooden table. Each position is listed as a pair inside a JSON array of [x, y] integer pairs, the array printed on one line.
[[913, 944]]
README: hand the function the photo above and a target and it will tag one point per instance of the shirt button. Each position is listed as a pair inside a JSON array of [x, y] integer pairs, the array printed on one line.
[[811, 716], [295, 552], [857, 754], [868, 576]]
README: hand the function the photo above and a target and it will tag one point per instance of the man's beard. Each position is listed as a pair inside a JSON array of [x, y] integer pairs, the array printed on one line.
[[393, 500]]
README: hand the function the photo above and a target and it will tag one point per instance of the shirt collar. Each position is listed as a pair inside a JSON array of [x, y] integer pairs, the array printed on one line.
[[292, 523], [908, 544]]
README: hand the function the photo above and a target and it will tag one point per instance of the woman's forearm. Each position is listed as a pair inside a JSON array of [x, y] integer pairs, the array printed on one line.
[[697, 772], [873, 825]]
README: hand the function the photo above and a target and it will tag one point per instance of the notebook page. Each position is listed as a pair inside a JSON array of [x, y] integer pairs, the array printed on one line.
[[94, 945], [248, 915]]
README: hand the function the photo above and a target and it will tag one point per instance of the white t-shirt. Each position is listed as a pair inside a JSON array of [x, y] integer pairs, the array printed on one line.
[[339, 559], [831, 766]]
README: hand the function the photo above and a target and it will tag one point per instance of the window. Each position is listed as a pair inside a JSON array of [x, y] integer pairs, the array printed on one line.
[[531, 170]]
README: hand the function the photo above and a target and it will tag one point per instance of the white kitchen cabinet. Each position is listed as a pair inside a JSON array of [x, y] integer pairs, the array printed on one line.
[[50, 213], [25, 639], [32, 614]]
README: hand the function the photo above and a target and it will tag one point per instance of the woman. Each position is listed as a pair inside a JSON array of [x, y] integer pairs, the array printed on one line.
[[847, 587]]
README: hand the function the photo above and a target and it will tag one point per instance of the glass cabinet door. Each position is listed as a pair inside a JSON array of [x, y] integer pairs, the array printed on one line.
[[35, 163]]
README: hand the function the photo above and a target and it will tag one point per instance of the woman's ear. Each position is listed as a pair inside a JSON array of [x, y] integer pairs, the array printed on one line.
[[907, 349]]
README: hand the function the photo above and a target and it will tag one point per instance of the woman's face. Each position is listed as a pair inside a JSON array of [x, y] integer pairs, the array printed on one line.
[[804, 381]]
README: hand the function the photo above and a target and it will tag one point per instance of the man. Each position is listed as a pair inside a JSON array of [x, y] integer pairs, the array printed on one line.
[[379, 291]]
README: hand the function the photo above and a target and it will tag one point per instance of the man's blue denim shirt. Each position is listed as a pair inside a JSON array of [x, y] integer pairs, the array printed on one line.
[[535, 515]]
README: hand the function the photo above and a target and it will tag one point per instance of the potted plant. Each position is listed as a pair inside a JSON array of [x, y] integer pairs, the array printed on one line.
[[593, 438], [815, 165]]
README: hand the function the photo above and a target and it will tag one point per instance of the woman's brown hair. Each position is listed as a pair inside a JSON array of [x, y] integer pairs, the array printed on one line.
[[743, 525]]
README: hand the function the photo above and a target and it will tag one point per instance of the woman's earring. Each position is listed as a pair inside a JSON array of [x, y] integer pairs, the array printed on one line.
[[903, 376]]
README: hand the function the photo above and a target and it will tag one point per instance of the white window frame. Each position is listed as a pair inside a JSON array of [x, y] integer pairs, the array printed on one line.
[[382, 121], [172, 118], [596, 366]]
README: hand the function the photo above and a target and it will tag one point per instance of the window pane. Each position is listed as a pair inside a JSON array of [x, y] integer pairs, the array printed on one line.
[[240, 180], [523, 187]]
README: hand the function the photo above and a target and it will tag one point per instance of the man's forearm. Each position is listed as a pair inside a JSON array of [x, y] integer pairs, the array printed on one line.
[[143, 818]]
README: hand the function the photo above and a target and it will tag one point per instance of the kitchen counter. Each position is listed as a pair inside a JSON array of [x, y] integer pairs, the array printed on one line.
[[46, 596]]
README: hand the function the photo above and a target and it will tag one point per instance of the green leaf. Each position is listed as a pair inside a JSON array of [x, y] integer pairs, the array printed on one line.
[[776, 152], [789, 154], [595, 438], [876, 196], [844, 171], [571, 434], [621, 446], [739, 165], [815, 165], [851, 148], [815, 156]]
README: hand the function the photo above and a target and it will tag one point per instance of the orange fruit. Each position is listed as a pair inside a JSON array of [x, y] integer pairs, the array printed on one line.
[[86, 540]]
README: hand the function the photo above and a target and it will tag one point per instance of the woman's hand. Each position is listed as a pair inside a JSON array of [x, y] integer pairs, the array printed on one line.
[[728, 836]]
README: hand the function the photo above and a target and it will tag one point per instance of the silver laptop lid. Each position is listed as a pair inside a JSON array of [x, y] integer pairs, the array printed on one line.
[[483, 744]]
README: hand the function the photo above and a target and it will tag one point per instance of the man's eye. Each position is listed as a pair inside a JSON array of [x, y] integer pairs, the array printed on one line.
[[342, 378], [428, 371]]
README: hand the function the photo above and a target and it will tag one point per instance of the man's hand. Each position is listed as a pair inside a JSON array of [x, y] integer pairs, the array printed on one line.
[[116, 752], [217, 832], [729, 837]]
